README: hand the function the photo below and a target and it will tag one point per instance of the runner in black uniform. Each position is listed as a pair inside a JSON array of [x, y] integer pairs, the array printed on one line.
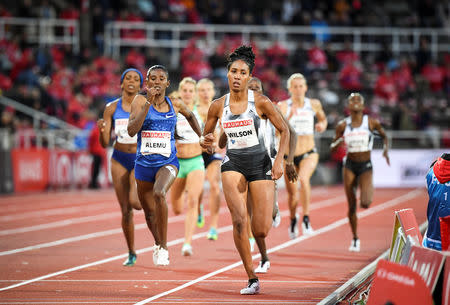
[[247, 165]]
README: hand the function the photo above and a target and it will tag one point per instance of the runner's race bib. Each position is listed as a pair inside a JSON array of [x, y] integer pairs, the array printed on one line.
[[303, 122], [357, 141], [120, 129], [240, 133], [156, 142]]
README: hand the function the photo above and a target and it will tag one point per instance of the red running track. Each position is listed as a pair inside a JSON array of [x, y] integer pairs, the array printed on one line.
[[68, 248]]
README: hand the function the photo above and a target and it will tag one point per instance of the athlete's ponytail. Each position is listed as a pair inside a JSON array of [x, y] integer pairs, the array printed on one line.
[[244, 53]]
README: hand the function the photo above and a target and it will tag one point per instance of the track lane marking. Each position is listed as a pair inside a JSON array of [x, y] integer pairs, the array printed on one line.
[[203, 234], [318, 205], [56, 211], [60, 223], [314, 206], [322, 230]]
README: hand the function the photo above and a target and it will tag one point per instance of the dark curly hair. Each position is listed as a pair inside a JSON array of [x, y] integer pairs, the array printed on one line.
[[158, 67], [244, 53]]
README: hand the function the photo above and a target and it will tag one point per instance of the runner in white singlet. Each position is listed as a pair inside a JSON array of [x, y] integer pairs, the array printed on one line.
[[247, 166], [301, 113], [356, 132]]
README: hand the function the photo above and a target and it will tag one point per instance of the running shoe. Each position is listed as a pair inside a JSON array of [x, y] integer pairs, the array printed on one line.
[[200, 217], [163, 257], [252, 243], [155, 254], [131, 260], [277, 219], [212, 234], [306, 226], [262, 267], [293, 228], [252, 287], [355, 245], [186, 250]]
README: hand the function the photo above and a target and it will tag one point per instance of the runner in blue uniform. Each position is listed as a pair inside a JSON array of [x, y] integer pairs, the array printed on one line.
[[153, 118], [115, 117]]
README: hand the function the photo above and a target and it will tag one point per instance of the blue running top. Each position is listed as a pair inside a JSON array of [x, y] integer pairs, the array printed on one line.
[[156, 141], [120, 124]]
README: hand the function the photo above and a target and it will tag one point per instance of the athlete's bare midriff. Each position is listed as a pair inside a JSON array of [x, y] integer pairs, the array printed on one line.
[[304, 144], [126, 148], [188, 150], [359, 156]]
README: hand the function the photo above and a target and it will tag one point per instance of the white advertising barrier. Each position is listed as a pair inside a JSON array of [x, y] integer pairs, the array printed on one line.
[[408, 167]]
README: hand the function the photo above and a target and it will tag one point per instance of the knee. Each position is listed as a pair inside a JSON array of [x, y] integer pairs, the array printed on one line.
[[177, 210], [239, 224], [193, 201], [292, 191], [352, 210], [304, 181], [159, 195], [213, 187], [149, 215], [260, 232], [149, 218], [127, 212], [135, 204]]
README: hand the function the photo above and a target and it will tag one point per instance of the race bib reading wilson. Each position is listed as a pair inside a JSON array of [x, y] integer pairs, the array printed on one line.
[[240, 133], [155, 142], [120, 129]]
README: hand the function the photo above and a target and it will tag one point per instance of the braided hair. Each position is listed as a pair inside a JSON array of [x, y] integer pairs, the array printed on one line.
[[244, 53]]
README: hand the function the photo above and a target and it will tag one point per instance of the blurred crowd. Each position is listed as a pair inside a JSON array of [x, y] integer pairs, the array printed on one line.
[[409, 91]]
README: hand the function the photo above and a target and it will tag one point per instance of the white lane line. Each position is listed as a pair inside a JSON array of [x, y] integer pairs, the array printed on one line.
[[387, 204], [121, 256], [87, 206], [110, 259], [53, 212], [181, 301], [68, 240], [53, 200], [91, 235], [174, 281], [318, 205], [314, 206], [60, 223]]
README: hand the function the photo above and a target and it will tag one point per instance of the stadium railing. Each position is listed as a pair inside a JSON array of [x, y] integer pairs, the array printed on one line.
[[175, 36], [43, 32], [58, 134]]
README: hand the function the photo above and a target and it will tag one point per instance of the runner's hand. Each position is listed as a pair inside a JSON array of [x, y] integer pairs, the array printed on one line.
[[277, 170], [208, 142], [291, 173], [101, 125], [386, 156]]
